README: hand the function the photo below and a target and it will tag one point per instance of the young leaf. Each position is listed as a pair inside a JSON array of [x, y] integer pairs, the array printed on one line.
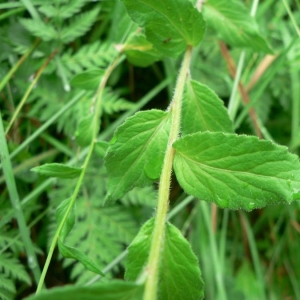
[[136, 153], [234, 24], [60, 213], [113, 290], [84, 132], [70, 252], [58, 170], [179, 275], [88, 80], [203, 110], [140, 52], [170, 25], [237, 172]]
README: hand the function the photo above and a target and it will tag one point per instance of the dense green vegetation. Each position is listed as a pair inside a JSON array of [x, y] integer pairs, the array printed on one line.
[[150, 149]]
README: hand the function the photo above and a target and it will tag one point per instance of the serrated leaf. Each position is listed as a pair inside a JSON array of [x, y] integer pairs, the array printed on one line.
[[70, 252], [70, 221], [136, 153], [170, 25], [234, 24], [113, 290], [203, 110], [236, 172], [84, 132], [58, 170], [179, 273], [88, 80], [140, 52]]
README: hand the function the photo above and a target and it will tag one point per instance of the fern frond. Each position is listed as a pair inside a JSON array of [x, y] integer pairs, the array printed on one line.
[[7, 239], [5, 295], [112, 103], [11, 267], [64, 11], [79, 25], [7, 284], [39, 29], [90, 56], [146, 196]]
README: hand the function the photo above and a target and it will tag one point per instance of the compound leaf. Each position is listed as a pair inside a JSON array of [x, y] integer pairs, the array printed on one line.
[[237, 172], [170, 25], [234, 24], [179, 271], [136, 153], [203, 110]]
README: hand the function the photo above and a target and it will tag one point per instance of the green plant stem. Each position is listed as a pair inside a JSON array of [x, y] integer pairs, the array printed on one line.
[[164, 184], [17, 65], [15, 201], [103, 136], [31, 86], [11, 13], [96, 127]]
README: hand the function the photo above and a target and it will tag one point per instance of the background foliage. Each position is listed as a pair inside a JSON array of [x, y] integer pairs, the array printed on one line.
[[61, 39]]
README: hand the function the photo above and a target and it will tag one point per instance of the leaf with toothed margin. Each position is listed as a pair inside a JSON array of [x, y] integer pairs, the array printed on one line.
[[203, 110], [179, 272], [170, 25], [234, 24], [236, 172], [135, 155]]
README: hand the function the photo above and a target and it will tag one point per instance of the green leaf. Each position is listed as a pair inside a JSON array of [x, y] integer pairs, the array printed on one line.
[[179, 275], [84, 132], [70, 252], [79, 25], [234, 24], [60, 213], [136, 153], [88, 80], [40, 29], [170, 25], [58, 170], [101, 148], [113, 290], [203, 110], [140, 52], [237, 172]]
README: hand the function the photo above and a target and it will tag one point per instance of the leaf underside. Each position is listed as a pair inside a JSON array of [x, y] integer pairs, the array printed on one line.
[[236, 172]]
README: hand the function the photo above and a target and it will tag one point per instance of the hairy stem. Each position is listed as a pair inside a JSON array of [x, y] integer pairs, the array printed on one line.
[[164, 184], [96, 127]]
